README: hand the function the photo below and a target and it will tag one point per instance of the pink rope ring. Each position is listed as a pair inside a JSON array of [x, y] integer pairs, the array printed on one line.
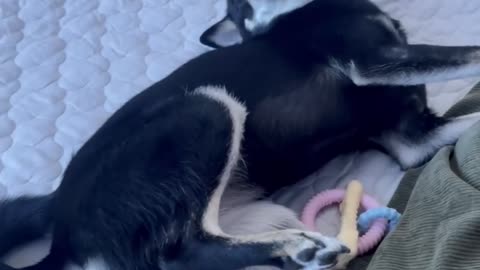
[[325, 199]]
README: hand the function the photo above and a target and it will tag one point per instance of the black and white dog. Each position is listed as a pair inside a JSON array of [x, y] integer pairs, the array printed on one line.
[[316, 78]]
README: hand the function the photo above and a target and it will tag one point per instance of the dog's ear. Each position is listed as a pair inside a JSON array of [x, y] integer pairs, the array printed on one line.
[[222, 34], [412, 65]]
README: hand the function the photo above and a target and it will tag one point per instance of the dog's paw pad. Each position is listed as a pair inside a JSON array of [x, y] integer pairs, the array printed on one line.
[[315, 252], [307, 255]]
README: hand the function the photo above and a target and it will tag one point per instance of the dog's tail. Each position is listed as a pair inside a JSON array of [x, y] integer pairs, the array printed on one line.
[[23, 220]]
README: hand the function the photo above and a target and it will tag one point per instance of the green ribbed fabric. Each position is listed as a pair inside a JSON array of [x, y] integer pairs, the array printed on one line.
[[440, 202]]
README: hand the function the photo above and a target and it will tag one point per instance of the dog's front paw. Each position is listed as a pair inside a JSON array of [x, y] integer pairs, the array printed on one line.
[[313, 251]]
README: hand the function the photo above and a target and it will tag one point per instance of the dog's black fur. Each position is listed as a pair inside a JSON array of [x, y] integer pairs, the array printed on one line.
[[315, 82]]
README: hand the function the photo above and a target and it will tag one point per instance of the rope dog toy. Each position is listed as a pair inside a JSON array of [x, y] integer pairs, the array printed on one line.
[[369, 239], [372, 223], [366, 218]]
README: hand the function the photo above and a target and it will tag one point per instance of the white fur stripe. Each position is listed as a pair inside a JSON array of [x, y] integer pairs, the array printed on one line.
[[238, 115]]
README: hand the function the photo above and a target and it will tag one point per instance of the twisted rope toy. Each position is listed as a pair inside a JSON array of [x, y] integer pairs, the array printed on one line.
[[325, 199], [366, 218]]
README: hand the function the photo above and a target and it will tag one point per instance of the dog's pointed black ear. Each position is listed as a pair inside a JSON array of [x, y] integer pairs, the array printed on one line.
[[412, 65], [222, 34]]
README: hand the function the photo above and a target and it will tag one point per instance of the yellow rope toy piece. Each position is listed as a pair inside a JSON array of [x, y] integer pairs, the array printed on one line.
[[349, 234]]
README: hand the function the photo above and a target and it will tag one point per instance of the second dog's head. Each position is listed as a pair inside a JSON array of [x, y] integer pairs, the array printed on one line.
[[353, 36]]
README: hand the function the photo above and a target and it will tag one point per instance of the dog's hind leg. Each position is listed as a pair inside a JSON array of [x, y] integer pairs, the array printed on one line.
[[301, 250], [215, 249], [419, 140]]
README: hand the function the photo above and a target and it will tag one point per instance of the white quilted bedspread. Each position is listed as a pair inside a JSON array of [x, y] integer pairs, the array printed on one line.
[[66, 65]]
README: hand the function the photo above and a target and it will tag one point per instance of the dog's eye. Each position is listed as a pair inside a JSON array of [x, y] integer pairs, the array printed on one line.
[[240, 10], [247, 10], [399, 27], [396, 23]]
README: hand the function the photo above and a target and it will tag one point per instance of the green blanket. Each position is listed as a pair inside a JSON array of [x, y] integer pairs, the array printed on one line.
[[440, 202]]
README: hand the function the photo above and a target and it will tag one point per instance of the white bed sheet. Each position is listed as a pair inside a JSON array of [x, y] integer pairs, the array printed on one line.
[[66, 65]]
